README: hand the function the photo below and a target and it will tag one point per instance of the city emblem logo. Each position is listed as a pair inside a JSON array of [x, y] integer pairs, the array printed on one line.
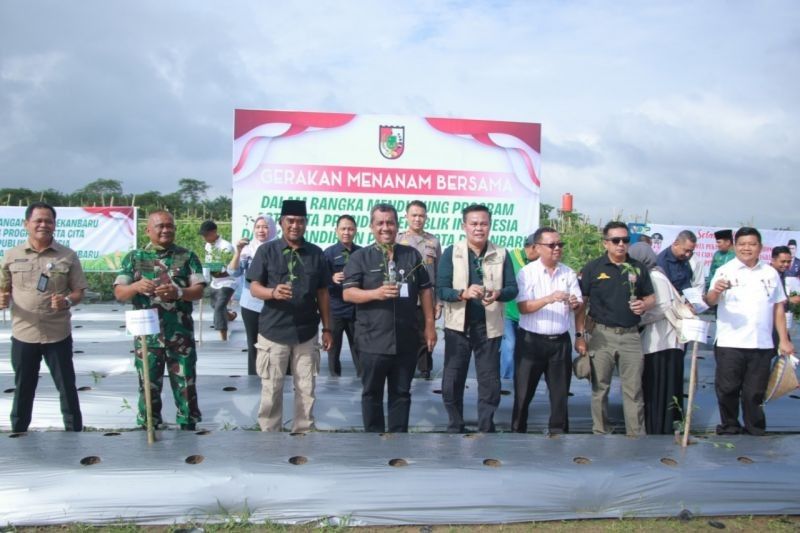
[[391, 141]]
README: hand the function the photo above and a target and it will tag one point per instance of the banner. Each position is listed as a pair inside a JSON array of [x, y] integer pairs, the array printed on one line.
[[101, 236], [345, 164], [664, 235]]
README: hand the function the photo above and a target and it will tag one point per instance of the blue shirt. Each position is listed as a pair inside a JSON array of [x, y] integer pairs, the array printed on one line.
[[678, 271]]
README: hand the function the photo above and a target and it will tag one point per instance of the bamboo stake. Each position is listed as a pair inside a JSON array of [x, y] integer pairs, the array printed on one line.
[[692, 385], [148, 399]]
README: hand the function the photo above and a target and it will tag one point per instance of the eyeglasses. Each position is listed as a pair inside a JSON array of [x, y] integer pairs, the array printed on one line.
[[618, 240], [552, 245]]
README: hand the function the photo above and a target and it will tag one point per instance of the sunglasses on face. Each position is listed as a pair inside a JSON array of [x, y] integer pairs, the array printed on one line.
[[618, 240], [552, 245]]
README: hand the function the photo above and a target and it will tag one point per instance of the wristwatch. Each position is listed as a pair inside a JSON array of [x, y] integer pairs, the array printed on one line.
[[68, 301], [579, 334], [180, 293]]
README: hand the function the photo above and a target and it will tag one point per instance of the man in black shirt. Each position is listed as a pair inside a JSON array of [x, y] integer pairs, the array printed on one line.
[[384, 280], [617, 290], [291, 276], [344, 313]]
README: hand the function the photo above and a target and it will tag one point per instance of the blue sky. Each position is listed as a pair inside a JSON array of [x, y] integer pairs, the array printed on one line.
[[685, 111]]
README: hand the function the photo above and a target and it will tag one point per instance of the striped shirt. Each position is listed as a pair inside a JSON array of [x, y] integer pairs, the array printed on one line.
[[535, 281]]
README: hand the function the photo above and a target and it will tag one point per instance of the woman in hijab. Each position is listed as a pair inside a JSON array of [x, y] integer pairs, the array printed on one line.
[[264, 230], [662, 380]]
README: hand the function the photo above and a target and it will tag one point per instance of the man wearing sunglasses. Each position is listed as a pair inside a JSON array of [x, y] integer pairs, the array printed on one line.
[[617, 290], [548, 294]]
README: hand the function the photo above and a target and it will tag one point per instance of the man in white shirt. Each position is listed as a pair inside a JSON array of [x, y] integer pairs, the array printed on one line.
[[218, 250], [548, 294], [749, 303]]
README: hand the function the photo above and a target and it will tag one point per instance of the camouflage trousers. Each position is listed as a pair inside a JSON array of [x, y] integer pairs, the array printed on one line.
[[180, 359]]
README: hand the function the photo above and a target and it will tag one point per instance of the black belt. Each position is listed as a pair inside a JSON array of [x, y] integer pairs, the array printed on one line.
[[619, 331], [557, 337]]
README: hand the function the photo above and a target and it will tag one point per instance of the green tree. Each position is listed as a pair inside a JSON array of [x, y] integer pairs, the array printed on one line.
[[192, 191], [17, 196], [99, 191]]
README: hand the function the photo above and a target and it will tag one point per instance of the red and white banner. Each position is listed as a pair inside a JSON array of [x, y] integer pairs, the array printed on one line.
[[345, 164], [101, 236], [663, 235]]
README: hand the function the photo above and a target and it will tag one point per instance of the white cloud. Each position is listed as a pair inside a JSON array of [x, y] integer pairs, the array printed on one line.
[[644, 106]]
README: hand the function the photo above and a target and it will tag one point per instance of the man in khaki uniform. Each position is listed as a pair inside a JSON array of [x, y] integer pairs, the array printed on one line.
[[431, 251], [291, 275], [44, 279]]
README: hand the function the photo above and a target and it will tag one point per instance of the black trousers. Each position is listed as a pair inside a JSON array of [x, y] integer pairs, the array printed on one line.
[[377, 371], [250, 321], [458, 349], [662, 386], [742, 375], [26, 359], [535, 355], [219, 301], [341, 327], [424, 357]]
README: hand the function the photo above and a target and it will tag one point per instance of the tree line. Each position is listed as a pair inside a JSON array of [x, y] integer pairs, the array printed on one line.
[[189, 201]]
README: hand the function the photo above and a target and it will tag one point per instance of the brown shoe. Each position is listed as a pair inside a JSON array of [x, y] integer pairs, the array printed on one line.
[[223, 334], [232, 315]]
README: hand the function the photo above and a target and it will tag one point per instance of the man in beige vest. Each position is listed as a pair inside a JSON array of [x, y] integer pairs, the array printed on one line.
[[474, 277]]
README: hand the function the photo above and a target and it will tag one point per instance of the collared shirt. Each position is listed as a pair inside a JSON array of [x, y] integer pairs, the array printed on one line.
[[678, 271], [476, 313], [745, 312], [536, 281], [719, 259], [608, 287], [34, 320], [173, 264], [220, 250], [337, 256], [292, 321], [428, 247], [382, 326], [518, 260]]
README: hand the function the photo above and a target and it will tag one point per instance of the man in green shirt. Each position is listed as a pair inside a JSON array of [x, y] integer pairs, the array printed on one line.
[[168, 278], [519, 258], [723, 254]]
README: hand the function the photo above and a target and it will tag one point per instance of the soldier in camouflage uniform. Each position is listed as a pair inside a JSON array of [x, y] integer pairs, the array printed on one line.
[[168, 278]]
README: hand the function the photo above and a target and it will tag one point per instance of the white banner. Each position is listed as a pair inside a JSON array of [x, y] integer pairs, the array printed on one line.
[[101, 236], [344, 164], [663, 235]]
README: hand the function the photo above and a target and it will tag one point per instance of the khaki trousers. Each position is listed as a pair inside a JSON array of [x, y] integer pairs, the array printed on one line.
[[624, 350], [271, 364]]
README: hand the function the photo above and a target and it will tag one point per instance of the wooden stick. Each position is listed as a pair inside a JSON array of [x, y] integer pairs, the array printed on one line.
[[148, 399], [200, 323], [692, 385]]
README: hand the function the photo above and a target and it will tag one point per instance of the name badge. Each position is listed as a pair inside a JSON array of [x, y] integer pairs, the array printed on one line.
[[404, 290]]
